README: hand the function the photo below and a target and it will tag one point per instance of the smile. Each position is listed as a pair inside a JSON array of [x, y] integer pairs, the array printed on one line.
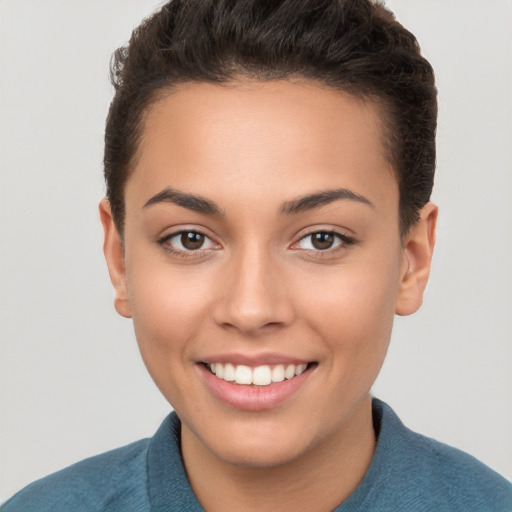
[[263, 375], [247, 384]]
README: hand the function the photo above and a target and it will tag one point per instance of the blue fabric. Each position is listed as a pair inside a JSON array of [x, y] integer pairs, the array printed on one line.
[[409, 472], [413, 473]]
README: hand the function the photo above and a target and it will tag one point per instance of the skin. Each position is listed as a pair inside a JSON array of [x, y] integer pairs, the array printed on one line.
[[259, 286]]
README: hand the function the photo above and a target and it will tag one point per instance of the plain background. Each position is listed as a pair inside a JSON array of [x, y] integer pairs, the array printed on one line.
[[72, 381]]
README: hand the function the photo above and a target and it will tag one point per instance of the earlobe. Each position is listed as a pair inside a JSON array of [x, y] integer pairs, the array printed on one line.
[[416, 261], [114, 255]]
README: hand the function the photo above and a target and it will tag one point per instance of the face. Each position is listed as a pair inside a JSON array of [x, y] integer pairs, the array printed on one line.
[[263, 265]]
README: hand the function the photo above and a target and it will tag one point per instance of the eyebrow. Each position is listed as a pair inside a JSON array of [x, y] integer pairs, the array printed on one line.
[[190, 201], [310, 202]]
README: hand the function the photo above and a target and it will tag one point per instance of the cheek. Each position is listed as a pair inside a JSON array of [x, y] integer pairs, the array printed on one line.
[[169, 311], [169, 307], [352, 308]]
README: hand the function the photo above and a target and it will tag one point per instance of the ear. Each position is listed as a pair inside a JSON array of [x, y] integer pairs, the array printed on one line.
[[114, 254], [418, 247]]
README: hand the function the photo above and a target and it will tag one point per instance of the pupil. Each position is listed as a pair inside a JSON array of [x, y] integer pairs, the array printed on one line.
[[192, 240], [322, 240]]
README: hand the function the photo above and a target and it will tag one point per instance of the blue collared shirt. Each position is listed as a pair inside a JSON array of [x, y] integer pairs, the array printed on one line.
[[408, 473]]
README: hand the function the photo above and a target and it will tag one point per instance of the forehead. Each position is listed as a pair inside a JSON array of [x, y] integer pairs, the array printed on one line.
[[260, 137]]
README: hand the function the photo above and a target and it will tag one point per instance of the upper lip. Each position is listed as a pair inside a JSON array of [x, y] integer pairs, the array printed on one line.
[[252, 360]]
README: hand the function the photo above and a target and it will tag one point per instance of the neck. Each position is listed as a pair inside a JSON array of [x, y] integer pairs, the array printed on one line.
[[319, 479]]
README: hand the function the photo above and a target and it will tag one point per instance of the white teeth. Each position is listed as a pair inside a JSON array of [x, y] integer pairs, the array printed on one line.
[[262, 376], [278, 373], [259, 376], [300, 369], [243, 374], [289, 373], [229, 372]]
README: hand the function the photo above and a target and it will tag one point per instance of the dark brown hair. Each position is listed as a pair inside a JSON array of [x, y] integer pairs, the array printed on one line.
[[356, 46]]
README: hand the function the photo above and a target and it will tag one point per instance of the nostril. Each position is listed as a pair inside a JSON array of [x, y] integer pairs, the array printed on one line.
[[247, 304]]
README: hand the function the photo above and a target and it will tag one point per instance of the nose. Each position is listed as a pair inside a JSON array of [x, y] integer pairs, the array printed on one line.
[[253, 296]]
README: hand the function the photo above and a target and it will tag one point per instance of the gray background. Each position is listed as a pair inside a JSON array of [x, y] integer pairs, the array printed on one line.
[[72, 382]]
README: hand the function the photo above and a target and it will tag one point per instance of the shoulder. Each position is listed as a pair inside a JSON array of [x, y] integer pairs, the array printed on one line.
[[429, 475], [115, 480], [460, 479]]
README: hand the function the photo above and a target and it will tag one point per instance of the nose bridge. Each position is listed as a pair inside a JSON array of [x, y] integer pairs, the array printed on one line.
[[253, 293]]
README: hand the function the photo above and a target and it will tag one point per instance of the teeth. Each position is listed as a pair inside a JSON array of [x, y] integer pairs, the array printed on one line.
[[259, 376], [289, 373], [262, 376], [229, 372], [278, 373], [300, 369], [243, 374]]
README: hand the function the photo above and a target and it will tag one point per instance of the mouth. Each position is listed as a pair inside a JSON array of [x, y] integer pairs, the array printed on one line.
[[255, 383], [262, 375]]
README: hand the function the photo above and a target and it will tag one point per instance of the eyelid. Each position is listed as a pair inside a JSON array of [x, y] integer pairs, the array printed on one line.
[[177, 236], [345, 240], [164, 242]]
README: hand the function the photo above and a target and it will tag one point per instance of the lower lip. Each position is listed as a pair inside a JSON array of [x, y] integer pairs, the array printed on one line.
[[253, 398]]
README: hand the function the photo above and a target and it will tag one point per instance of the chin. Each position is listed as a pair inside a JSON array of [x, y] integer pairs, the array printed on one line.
[[255, 456], [262, 445]]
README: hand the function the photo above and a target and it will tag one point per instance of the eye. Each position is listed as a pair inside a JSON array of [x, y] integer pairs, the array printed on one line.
[[323, 241], [187, 241]]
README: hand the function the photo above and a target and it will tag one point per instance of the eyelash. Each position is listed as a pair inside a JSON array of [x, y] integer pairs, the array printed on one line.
[[343, 241], [164, 242]]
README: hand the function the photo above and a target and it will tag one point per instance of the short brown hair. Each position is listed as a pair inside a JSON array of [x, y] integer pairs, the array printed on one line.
[[355, 46]]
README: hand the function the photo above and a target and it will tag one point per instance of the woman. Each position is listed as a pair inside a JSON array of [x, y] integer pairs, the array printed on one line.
[[269, 169]]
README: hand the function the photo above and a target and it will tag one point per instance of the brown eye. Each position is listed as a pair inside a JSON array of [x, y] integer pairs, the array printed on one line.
[[191, 240], [322, 241], [187, 242]]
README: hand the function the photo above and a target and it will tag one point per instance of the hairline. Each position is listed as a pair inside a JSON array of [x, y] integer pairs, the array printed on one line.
[[242, 77]]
